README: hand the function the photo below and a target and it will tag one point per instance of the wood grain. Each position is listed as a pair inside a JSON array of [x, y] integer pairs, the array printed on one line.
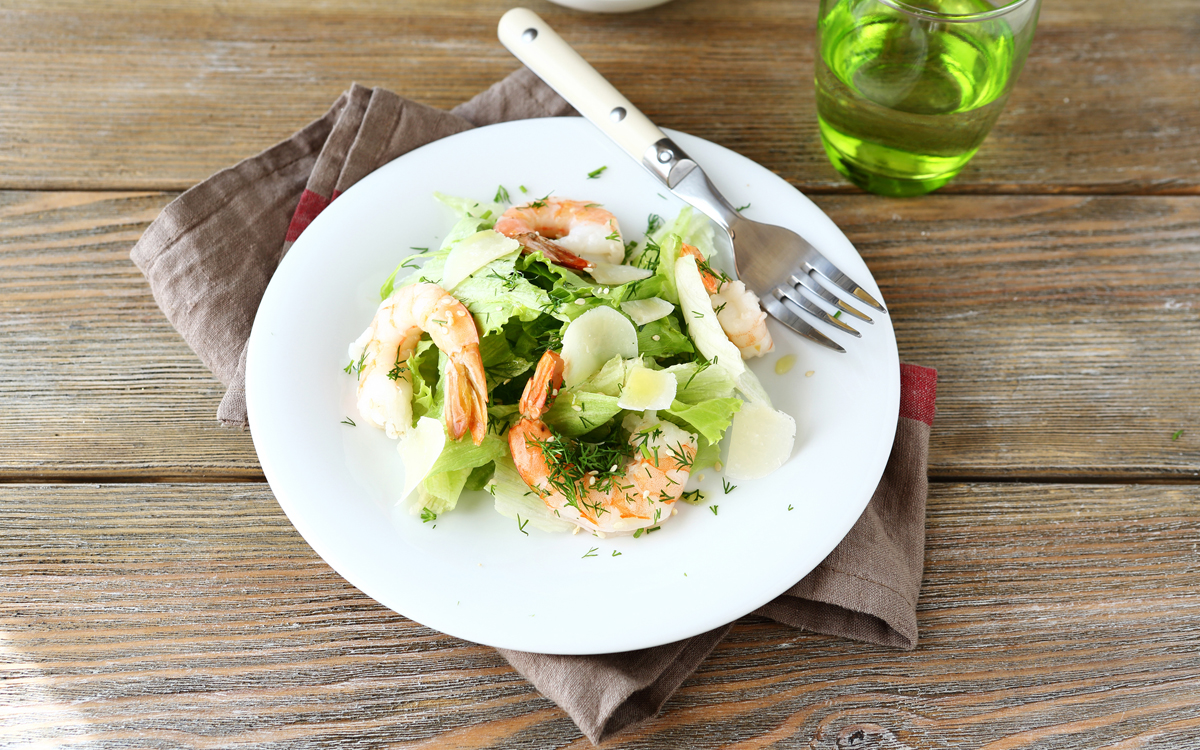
[[158, 95], [1065, 330], [194, 616]]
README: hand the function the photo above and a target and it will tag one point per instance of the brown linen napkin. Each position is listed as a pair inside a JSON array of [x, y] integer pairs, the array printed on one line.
[[208, 258]]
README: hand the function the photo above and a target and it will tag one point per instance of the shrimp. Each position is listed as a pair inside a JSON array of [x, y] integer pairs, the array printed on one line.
[[384, 382], [584, 229], [737, 308], [631, 489]]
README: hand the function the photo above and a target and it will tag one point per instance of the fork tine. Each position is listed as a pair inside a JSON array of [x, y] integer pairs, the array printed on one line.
[[802, 279], [808, 306], [821, 265], [780, 312]]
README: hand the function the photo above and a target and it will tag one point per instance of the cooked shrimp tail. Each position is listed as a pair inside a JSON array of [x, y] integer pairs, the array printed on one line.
[[466, 395], [554, 252], [544, 384]]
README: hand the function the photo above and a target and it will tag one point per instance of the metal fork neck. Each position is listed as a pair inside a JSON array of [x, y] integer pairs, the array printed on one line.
[[667, 161]]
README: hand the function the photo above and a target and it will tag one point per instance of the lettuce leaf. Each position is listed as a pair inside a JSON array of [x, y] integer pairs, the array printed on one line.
[[496, 294], [595, 410], [441, 488], [700, 382], [708, 418], [671, 341], [515, 500]]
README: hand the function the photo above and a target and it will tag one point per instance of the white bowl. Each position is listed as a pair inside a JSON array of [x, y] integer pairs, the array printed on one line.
[[609, 6]]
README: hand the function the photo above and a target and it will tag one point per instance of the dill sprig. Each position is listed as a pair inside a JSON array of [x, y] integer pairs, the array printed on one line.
[[577, 467], [501, 196]]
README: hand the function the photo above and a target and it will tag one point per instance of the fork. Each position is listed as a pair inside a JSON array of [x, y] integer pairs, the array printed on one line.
[[777, 264]]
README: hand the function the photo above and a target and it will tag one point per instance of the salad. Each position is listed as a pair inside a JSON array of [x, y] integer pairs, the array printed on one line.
[[580, 379]]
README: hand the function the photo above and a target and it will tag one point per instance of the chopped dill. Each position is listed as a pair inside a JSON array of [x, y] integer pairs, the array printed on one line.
[[349, 421], [638, 533], [591, 552], [522, 188], [577, 467], [616, 554], [728, 487], [596, 173], [713, 508], [789, 507], [521, 525], [428, 515], [704, 365], [705, 267], [742, 208], [501, 196], [1177, 434], [615, 236], [653, 222], [356, 367], [719, 309]]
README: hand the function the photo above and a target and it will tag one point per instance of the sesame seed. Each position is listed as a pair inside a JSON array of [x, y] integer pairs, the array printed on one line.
[[581, 301], [576, 407], [655, 337]]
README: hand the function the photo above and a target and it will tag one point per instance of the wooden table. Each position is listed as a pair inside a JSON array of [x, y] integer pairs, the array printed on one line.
[[154, 595]]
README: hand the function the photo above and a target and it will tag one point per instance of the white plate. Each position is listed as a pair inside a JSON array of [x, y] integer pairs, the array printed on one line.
[[475, 575]]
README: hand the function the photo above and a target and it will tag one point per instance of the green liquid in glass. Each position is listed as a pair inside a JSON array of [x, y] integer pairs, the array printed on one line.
[[904, 104]]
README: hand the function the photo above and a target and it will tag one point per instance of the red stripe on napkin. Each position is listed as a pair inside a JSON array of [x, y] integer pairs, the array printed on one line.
[[310, 205], [918, 393]]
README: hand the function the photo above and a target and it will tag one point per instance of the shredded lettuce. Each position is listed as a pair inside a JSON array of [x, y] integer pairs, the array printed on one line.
[[523, 305], [515, 500], [664, 338], [442, 486], [709, 418], [497, 294]]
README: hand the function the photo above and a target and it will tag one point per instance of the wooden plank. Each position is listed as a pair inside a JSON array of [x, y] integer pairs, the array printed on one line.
[[93, 380], [194, 615], [1065, 330], [158, 95]]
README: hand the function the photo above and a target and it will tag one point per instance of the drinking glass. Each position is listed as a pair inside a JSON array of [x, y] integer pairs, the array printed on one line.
[[908, 89]]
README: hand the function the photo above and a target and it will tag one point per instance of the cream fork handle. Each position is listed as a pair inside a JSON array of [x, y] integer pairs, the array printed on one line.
[[533, 42]]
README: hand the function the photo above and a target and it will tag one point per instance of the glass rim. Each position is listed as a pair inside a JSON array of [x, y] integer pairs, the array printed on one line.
[[931, 15]]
